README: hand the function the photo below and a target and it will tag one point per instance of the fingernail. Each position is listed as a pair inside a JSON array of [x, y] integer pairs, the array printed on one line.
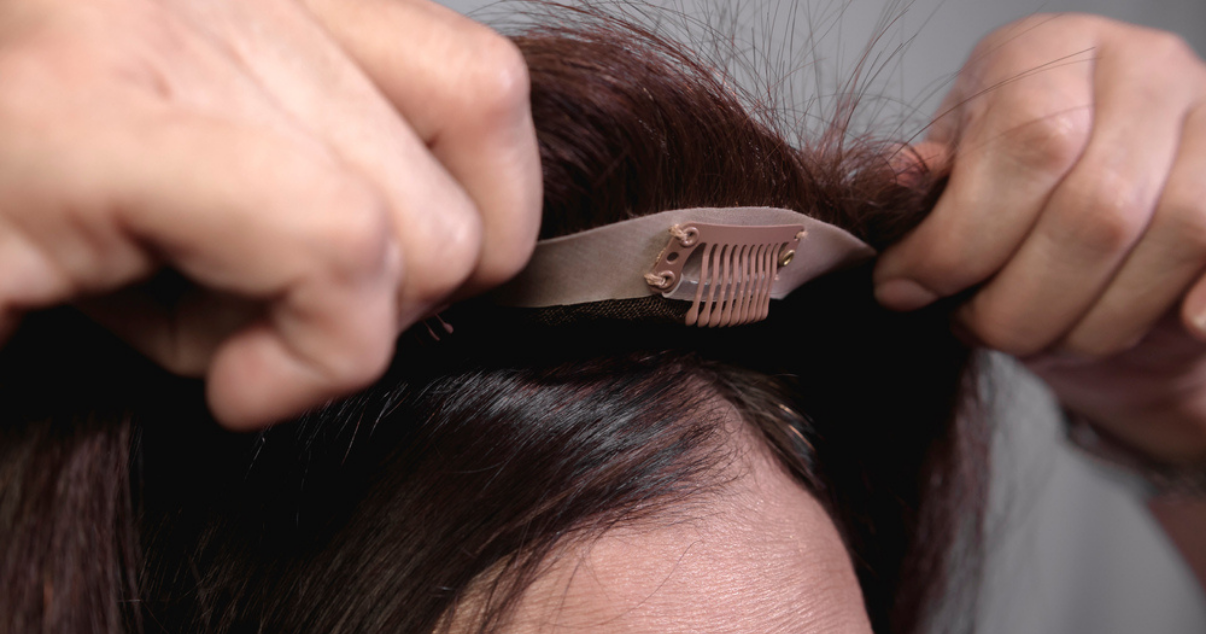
[[903, 294]]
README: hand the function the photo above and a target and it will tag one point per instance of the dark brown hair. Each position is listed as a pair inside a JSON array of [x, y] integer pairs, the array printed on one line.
[[124, 508]]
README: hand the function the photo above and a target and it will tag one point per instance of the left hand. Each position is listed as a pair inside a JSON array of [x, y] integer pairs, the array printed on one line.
[[321, 173], [1077, 203]]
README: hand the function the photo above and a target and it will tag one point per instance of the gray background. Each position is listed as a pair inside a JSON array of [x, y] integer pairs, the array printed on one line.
[[1071, 551]]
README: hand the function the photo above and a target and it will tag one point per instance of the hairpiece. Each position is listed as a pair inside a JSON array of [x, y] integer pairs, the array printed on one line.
[[728, 262]]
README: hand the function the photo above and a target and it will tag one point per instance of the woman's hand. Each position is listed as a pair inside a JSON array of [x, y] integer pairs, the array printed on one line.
[[1077, 207], [325, 172]]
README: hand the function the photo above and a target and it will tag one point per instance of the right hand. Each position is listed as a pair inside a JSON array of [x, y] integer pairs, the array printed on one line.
[[325, 172], [1075, 220]]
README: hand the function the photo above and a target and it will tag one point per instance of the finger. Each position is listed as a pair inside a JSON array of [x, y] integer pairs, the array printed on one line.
[[1094, 218], [259, 216], [181, 333], [1021, 134], [979, 79], [270, 218], [1171, 255], [464, 89], [326, 94], [1187, 191]]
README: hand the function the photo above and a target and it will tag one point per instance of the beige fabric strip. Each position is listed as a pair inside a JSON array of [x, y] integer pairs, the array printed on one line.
[[610, 262]]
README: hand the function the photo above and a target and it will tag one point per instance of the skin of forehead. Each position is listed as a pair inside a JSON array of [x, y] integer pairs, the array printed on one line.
[[758, 556]]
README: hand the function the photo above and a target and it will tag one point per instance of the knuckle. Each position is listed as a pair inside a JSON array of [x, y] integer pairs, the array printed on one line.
[[1184, 216], [496, 84], [1186, 191], [1165, 48], [1049, 142], [1107, 217], [508, 244], [508, 265], [1166, 67], [357, 234], [1106, 231], [1096, 347], [464, 232], [1003, 331], [446, 266]]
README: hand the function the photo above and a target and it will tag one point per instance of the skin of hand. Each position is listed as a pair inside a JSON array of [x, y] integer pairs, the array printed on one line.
[[323, 173], [1075, 220]]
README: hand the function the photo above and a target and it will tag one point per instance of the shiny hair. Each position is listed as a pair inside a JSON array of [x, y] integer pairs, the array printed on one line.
[[123, 507]]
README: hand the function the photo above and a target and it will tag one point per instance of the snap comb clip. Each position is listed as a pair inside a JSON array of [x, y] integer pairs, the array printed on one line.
[[731, 268]]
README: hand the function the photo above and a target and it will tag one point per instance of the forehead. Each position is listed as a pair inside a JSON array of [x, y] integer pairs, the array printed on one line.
[[759, 556]]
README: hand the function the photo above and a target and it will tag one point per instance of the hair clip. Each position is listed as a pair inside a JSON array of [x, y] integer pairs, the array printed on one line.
[[728, 262], [730, 268]]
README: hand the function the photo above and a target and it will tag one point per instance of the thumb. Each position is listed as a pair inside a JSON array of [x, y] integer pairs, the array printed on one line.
[[913, 165]]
